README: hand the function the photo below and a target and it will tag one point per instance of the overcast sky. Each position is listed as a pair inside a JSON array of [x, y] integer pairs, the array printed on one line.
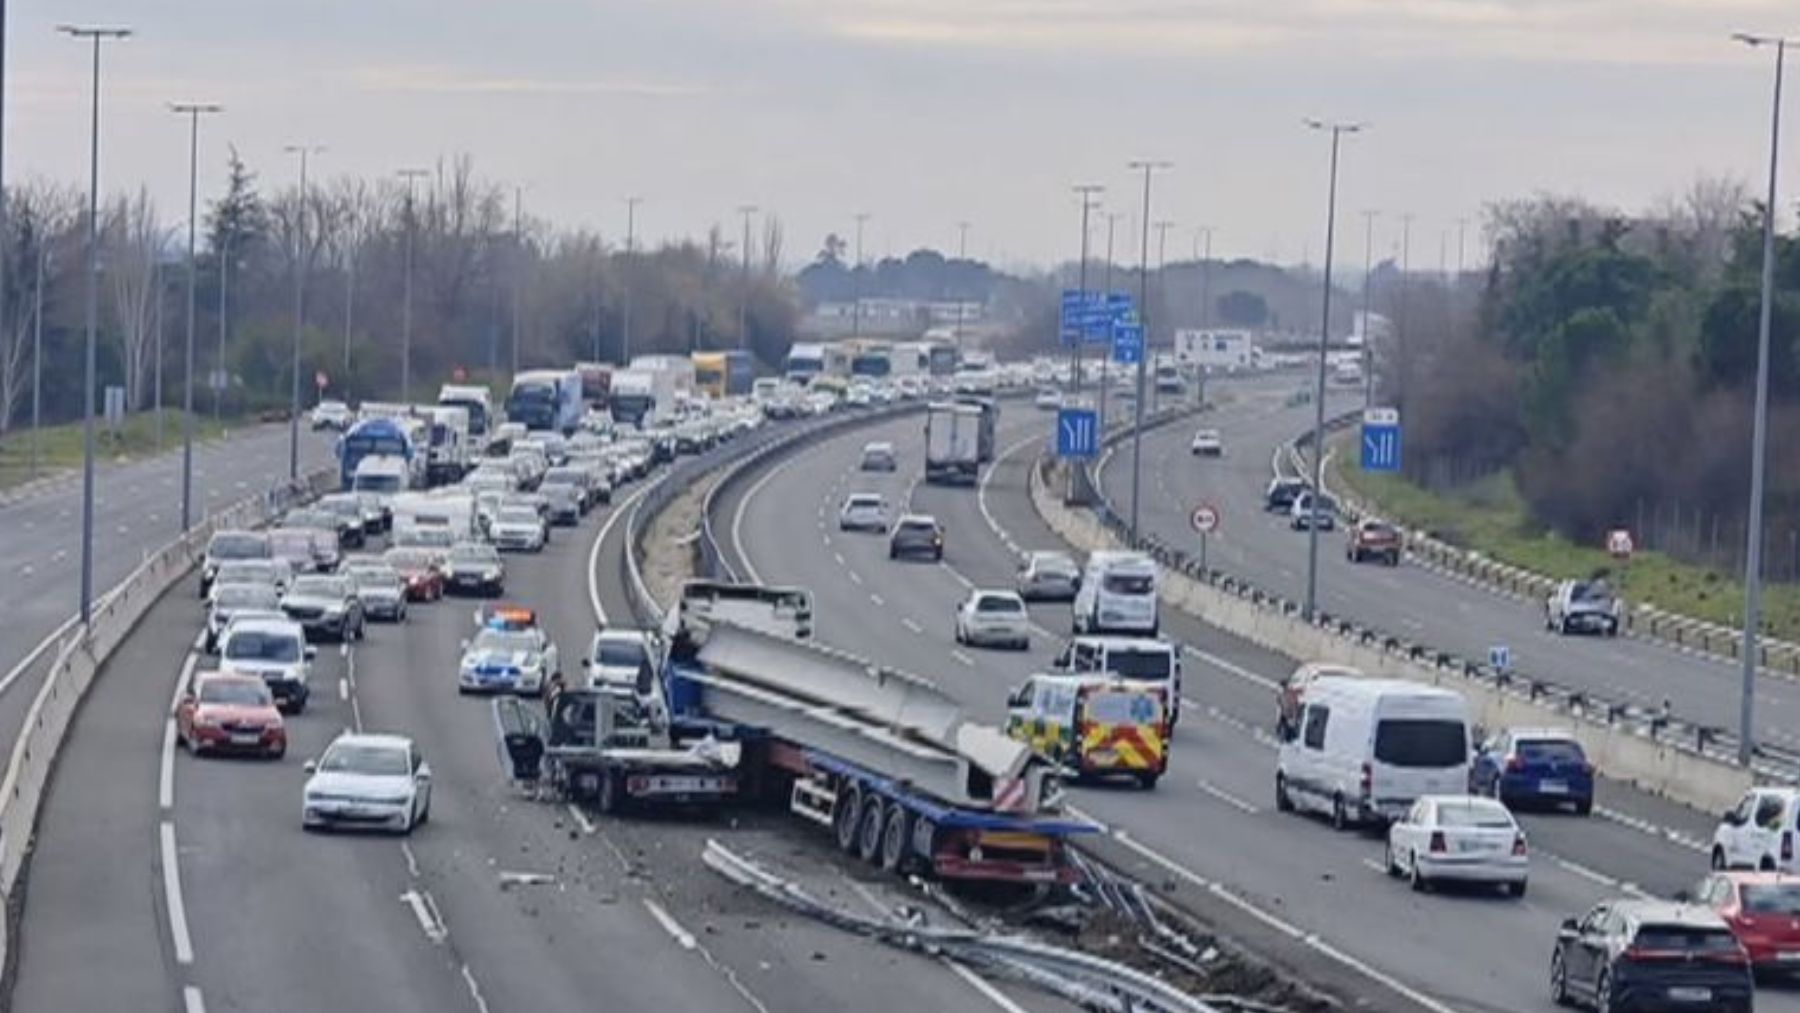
[[925, 112]]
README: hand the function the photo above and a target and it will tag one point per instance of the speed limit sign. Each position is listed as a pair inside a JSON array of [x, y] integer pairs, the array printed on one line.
[[1205, 518]]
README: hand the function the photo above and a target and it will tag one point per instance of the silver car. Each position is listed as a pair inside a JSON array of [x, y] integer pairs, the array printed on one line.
[[1048, 576], [380, 589]]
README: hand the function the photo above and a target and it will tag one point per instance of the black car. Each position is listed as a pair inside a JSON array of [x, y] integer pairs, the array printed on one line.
[[916, 535], [1650, 955], [1282, 494]]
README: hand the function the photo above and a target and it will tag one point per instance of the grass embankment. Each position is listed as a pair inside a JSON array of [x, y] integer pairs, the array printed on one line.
[[1489, 517], [60, 447]]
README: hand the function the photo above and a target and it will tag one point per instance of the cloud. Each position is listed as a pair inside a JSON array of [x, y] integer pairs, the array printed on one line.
[[439, 81]]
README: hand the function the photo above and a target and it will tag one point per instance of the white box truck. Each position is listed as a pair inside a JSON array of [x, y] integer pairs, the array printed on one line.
[[952, 444]]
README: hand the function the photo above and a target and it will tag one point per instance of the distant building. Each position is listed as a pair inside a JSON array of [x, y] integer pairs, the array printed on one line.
[[890, 317]]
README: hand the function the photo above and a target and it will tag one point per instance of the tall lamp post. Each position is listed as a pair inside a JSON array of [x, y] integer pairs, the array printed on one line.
[[631, 204], [1087, 192], [1759, 433], [300, 255], [1337, 131], [1137, 436], [95, 36], [1368, 336], [856, 275], [193, 111], [744, 291], [411, 176]]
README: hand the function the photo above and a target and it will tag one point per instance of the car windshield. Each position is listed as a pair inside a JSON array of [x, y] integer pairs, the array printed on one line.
[[506, 641], [1596, 591], [238, 546], [1154, 666], [1055, 566], [1550, 751], [865, 502], [1421, 742], [518, 515], [1685, 939], [999, 604], [407, 559], [245, 596], [1378, 529], [620, 653], [1770, 898], [1128, 583], [474, 554], [1482, 814], [361, 758], [256, 645], [320, 587], [372, 576], [240, 692]]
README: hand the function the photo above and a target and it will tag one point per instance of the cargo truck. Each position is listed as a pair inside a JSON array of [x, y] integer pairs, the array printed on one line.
[[953, 443]]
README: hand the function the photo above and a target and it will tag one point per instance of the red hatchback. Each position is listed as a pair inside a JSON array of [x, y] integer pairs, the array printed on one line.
[[231, 713], [1763, 910], [419, 569]]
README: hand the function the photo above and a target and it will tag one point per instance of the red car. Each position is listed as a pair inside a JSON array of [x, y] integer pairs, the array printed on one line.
[[1373, 539], [231, 713], [1763, 910], [419, 569]]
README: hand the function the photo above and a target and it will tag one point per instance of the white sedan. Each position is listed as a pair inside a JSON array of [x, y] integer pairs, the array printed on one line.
[[863, 511], [1207, 443], [993, 617], [379, 782], [1463, 838], [518, 528]]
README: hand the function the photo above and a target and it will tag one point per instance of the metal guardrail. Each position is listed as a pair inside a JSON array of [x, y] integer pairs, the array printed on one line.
[[70, 659]]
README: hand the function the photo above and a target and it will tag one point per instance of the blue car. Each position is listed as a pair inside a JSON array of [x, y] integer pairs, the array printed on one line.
[[1538, 766]]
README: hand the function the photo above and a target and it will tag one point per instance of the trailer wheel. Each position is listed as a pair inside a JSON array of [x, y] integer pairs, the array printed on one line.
[[869, 830], [924, 840], [896, 839], [845, 816]]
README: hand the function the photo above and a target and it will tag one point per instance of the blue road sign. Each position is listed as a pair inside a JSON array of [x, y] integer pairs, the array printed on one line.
[[1500, 658], [1128, 343], [1077, 433], [1073, 318], [1381, 440]]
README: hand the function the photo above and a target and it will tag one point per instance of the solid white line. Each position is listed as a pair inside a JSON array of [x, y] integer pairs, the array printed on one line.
[[737, 519], [356, 715], [681, 936], [178, 924], [909, 624], [468, 978], [982, 487], [618, 510], [982, 985], [199, 640], [193, 1000], [183, 681], [1231, 668], [965, 659], [1228, 798], [1370, 863], [165, 772], [581, 819], [343, 689]]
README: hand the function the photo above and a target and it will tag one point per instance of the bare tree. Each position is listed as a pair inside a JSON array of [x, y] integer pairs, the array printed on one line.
[[40, 216], [772, 241], [132, 241]]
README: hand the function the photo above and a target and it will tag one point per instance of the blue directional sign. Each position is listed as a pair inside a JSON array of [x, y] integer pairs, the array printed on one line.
[[1381, 439], [1077, 433], [1128, 342], [1074, 318]]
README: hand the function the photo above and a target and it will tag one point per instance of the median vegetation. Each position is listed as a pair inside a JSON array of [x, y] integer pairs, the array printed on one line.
[[59, 448]]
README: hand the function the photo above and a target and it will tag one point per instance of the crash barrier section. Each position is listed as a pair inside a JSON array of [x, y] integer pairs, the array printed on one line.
[[1690, 765], [1775, 657], [68, 660]]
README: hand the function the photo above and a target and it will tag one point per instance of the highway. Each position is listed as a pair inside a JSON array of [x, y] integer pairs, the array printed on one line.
[[1211, 820], [269, 917], [1410, 601]]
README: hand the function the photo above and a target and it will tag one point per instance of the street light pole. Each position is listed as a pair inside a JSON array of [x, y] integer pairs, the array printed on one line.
[[193, 111], [962, 255], [1368, 336], [1759, 433], [95, 36], [744, 292], [411, 176], [1112, 222], [856, 276], [1087, 192], [1137, 435], [518, 271], [631, 204], [300, 254], [1318, 441], [1162, 291]]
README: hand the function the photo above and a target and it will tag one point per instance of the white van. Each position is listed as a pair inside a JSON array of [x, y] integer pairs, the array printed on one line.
[[384, 475], [1117, 594], [1142, 660], [1364, 750]]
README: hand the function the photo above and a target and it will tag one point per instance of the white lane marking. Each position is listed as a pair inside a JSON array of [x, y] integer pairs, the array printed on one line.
[[960, 579], [909, 624], [682, 937], [192, 1000], [974, 981], [1308, 939], [581, 819], [426, 914], [343, 689], [468, 978], [199, 640], [878, 600], [619, 510], [165, 771], [183, 681], [412, 860], [1669, 834], [981, 490], [1370, 863], [1586, 873], [965, 659], [1231, 668], [855, 578], [737, 519], [1227, 797], [178, 923], [839, 557]]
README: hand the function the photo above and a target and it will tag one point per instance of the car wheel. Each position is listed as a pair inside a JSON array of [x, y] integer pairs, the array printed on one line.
[[278, 752], [1387, 861], [425, 813], [1513, 890], [1559, 979], [1283, 803], [1415, 878], [1340, 819], [1603, 993], [1718, 859], [1584, 806]]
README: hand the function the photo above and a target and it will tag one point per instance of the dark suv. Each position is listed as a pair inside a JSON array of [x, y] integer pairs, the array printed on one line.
[[1282, 494], [1650, 955], [917, 535]]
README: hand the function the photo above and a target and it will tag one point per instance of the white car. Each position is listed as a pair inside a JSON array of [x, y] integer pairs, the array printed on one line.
[[1049, 398], [332, 415], [863, 511], [1583, 606], [1207, 443], [993, 617], [616, 657], [1300, 514], [1759, 832], [517, 528], [507, 660], [375, 781], [1464, 838], [274, 649]]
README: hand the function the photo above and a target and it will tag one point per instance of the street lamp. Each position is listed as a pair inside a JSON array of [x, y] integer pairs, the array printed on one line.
[[1137, 435], [1759, 433], [1337, 131], [95, 36], [744, 292], [299, 308], [1087, 192], [406, 300], [856, 275], [193, 111], [1368, 336], [631, 204]]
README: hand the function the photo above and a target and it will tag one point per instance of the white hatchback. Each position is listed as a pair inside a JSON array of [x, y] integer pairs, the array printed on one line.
[[863, 511], [993, 617], [1464, 838]]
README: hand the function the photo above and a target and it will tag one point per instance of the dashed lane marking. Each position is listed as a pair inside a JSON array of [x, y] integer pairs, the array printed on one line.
[[909, 624], [581, 819], [192, 1000], [425, 912], [965, 659], [1227, 797], [171, 874], [682, 937]]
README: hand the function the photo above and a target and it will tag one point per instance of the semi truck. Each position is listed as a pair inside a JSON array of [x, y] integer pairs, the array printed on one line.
[[474, 399], [381, 436], [449, 451], [546, 400], [953, 443], [724, 374], [985, 438]]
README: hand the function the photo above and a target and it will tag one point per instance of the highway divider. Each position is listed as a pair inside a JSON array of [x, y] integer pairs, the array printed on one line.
[[68, 661]]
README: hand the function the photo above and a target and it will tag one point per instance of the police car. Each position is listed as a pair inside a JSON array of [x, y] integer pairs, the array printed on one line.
[[510, 653]]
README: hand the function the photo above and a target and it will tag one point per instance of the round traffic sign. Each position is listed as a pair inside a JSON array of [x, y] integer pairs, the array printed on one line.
[[1205, 518]]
